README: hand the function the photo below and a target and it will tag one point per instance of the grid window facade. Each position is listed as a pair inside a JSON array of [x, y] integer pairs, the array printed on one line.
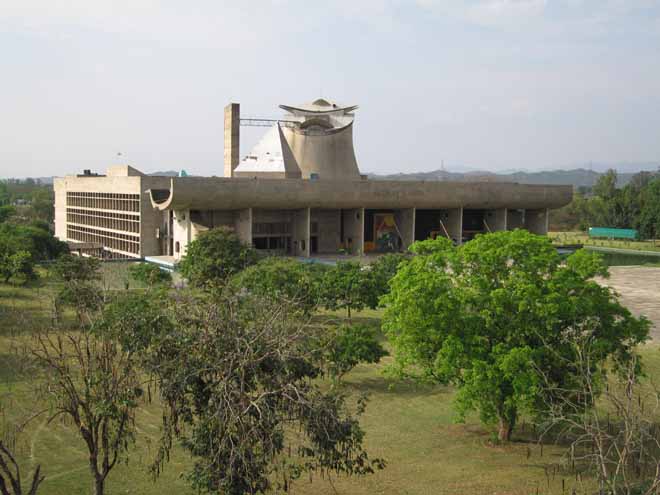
[[110, 240], [104, 219], [104, 201], [271, 228]]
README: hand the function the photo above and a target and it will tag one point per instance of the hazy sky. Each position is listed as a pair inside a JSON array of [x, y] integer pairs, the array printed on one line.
[[480, 83]]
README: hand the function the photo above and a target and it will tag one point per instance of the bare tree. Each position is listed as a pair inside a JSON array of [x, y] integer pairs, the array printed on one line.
[[610, 422], [238, 378], [93, 382], [10, 475]]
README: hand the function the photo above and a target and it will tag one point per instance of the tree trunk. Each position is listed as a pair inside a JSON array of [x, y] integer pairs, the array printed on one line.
[[505, 429], [98, 480], [99, 483]]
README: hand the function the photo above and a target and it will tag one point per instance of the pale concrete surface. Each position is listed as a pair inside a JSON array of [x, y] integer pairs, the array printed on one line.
[[219, 193], [639, 290]]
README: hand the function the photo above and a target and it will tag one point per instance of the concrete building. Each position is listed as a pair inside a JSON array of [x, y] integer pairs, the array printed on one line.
[[298, 192]]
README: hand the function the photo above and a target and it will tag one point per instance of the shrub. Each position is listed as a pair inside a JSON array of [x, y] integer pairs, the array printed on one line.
[[282, 279], [149, 274], [214, 257], [353, 344]]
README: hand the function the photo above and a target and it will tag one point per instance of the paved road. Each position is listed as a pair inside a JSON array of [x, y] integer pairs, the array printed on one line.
[[639, 289]]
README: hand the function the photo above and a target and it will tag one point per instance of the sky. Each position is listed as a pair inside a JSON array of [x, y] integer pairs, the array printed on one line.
[[484, 84]]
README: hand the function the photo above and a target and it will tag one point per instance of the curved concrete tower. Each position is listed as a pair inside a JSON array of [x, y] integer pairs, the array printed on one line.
[[315, 141]]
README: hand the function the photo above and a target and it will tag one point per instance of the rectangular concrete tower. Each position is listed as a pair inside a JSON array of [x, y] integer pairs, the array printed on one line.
[[232, 137]]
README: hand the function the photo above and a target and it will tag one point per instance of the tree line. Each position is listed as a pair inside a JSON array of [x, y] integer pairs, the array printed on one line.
[[30, 199], [634, 206], [25, 239]]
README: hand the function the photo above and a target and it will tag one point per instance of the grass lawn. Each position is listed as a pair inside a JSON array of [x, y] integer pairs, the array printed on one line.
[[409, 425], [582, 238]]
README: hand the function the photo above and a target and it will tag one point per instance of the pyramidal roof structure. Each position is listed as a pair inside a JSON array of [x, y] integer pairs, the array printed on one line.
[[265, 156]]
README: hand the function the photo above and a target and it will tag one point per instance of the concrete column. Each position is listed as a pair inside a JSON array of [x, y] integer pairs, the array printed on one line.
[[300, 223], [514, 219], [232, 138], [243, 225], [181, 233], [497, 220], [59, 187], [354, 229], [454, 225], [328, 233], [536, 221], [405, 222]]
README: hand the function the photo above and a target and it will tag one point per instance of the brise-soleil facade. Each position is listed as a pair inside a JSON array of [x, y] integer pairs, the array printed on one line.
[[299, 192]]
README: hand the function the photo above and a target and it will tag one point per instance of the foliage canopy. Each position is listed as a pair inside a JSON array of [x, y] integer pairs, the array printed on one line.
[[149, 274], [214, 257], [479, 315], [283, 279]]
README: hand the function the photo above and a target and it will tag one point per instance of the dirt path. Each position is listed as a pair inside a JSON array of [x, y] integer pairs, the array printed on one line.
[[639, 288]]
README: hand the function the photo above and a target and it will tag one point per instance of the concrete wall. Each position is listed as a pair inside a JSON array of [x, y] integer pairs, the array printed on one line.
[[354, 230], [151, 220], [232, 138], [213, 193], [515, 219], [329, 155], [405, 221], [497, 219], [329, 229], [59, 188], [300, 229], [243, 225], [536, 221]]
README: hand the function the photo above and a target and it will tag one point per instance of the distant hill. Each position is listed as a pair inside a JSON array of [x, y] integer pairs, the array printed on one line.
[[575, 177]]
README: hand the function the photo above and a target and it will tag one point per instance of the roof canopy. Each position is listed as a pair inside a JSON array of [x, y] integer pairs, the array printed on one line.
[[320, 105]]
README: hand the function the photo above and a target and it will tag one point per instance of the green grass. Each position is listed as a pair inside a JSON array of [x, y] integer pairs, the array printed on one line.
[[409, 425]]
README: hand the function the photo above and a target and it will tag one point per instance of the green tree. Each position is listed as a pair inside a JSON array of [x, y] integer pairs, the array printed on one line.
[[42, 205], [346, 286], [605, 186], [39, 242], [15, 264], [6, 212], [76, 269], [379, 274], [149, 274], [135, 319], [237, 376], [283, 279], [486, 315], [351, 345], [79, 288], [4, 193], [214, 257], [649, 219]]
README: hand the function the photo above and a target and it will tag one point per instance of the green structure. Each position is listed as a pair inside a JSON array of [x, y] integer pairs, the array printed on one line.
[[608, 233]]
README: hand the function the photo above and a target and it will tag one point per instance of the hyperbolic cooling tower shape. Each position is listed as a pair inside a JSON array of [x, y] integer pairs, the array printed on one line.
[[315, 141]]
